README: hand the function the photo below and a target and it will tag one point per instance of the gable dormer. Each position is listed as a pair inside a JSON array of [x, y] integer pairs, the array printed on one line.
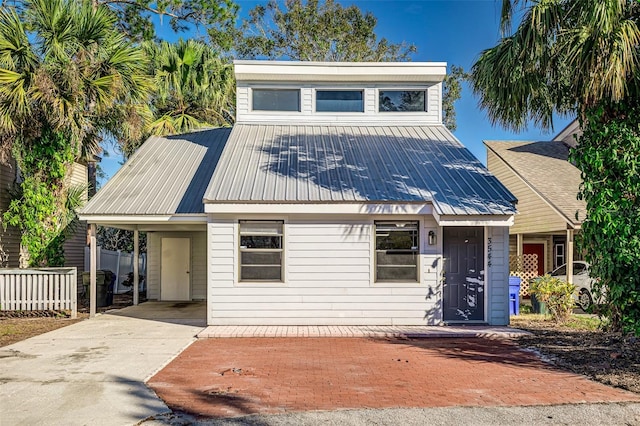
[[339, 92]]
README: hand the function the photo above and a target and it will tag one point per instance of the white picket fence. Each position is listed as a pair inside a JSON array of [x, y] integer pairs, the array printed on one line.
[[39, 289], [120, 263]]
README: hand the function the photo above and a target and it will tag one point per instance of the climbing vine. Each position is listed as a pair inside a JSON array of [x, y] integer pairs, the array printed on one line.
[[608, 156], [41, 207]]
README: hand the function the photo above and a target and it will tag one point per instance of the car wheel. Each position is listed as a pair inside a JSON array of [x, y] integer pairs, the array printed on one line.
[[584, 299]]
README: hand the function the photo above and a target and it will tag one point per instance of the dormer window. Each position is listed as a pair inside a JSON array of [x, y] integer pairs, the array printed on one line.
[[276, 100], [339, 101], [402, 101]]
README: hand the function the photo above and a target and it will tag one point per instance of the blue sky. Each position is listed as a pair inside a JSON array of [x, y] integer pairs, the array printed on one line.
[[452, 31]]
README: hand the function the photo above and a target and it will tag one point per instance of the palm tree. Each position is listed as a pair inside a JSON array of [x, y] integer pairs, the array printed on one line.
[[63, 63], [66, 75], [581, 57], [563, 57], [194, 88]]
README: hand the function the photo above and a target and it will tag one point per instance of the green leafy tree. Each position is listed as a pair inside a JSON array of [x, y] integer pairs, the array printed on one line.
[[68, 77], [313, 30], [135, 18], [580, 57], [316, 31]]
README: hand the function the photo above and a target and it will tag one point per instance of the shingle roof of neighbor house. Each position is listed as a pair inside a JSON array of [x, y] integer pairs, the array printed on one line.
[[267, 163], [165, 176], [544, 166]]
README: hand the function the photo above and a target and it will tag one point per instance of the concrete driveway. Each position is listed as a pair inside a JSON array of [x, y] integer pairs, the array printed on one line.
[[90, 373]]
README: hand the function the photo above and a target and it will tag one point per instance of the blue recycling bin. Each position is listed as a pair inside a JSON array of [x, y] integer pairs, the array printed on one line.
[[514, 295]]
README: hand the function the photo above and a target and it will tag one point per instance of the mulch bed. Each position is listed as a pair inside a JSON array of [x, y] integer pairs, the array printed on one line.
[[609, 358]]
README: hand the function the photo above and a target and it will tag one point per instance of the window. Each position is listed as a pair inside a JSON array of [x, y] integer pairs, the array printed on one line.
[[397, 250], [276, 99], [559, 254], [402, 100], [261, 250], [339, 101], [579, 268]]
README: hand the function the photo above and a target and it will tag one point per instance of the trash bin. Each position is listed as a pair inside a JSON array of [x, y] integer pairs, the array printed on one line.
[[514, 295], [538, 307], [101, 287], [110, 278]]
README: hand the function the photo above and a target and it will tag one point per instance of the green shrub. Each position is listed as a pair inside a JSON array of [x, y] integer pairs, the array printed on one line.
[[557, 294]]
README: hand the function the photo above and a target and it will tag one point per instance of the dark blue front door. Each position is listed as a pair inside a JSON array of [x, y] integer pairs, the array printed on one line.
[[463, 287]]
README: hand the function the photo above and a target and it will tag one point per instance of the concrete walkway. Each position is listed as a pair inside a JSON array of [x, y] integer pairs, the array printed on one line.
[[89, 373]]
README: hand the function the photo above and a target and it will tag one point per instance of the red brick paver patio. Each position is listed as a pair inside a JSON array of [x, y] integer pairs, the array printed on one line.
[[231, 377]]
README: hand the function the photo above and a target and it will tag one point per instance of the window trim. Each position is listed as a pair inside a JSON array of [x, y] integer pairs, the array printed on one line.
[[240, 250], [556, 255], [275, 89], [418, 251], [403, 89], [339, 89]]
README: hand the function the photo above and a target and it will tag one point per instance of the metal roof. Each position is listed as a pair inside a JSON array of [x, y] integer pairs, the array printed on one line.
[[545, 167], [267, 163], [166, 176]]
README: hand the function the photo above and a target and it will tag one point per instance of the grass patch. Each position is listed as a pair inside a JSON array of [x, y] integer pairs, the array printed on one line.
[[574, 322], [13, 330]]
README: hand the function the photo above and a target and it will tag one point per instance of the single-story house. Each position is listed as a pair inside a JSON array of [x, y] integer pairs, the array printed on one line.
[[546, 184], [337, 198]]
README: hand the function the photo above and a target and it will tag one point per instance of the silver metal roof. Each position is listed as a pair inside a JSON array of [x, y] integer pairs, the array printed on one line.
[[545, 167], [340, 163], [166, 176]]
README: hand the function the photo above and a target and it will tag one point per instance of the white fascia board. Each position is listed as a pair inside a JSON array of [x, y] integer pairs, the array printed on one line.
[[317, 208], [142, 219], [475, 220], [290, 71]]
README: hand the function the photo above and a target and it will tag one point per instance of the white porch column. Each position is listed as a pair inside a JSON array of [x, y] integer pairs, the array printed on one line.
[[93, 261], [570, 256], [519, 248], [136, 255]]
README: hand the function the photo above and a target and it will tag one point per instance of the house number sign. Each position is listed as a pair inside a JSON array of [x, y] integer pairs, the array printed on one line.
[[489, 249]]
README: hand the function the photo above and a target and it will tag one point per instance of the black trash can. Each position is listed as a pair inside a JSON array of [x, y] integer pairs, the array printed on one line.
[[101, 289], [110, 287], [103, 282]]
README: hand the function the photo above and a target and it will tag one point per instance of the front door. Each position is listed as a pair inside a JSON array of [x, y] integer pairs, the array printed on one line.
[[538, 250], [175, 265], [463, 287]]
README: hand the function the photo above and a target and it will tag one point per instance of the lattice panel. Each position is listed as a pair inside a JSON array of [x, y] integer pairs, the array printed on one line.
[[525, 267]]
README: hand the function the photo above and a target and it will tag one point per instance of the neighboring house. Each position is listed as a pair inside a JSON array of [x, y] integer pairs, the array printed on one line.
[[337, 198], [75, 244], [546, 186]]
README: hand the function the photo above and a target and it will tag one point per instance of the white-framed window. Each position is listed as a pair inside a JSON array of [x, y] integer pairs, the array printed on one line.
[[275, 99], [397, 251], [558, 255], [339, 100], [261, 250], [393, 100]]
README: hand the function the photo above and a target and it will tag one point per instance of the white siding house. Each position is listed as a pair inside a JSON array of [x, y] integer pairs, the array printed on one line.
[[338, 198]]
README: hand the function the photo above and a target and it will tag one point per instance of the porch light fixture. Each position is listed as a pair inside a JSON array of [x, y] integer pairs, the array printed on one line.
[[431, 238]]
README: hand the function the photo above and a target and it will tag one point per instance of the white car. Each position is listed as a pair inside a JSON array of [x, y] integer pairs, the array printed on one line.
[[581, 280]]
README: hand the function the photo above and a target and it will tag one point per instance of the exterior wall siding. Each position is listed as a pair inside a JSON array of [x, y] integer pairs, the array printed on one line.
[[498, 303], [74, 246], [535, 215], [329, 277], [198, 271], [433, 115], [9, 239]]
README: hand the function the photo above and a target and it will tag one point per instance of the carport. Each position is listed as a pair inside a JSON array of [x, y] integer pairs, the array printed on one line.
[[159, 191]]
